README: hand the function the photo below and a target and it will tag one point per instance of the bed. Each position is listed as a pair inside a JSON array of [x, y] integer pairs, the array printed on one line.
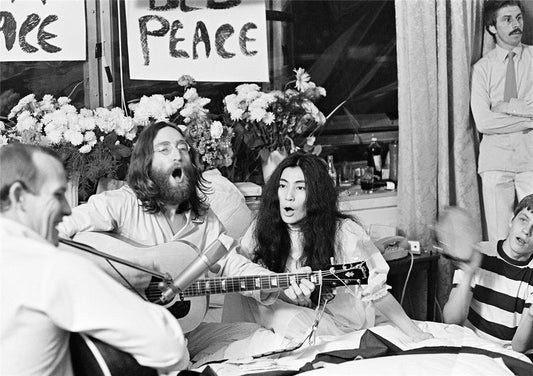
[[384, 350]]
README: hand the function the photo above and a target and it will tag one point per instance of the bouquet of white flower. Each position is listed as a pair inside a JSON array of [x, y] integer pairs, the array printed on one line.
[[270, 121], [91, 143]]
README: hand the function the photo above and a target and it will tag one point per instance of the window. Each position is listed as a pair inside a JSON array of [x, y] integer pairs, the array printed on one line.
[[349, 48], [59, 78]]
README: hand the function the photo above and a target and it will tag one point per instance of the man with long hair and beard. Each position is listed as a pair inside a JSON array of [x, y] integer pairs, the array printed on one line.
[[163, 201]]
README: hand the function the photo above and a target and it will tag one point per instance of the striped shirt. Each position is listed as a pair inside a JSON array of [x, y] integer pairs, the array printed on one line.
[[502, 290]]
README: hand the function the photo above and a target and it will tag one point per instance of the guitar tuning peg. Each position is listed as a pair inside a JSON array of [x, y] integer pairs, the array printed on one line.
[[332, 260], [162, 285]]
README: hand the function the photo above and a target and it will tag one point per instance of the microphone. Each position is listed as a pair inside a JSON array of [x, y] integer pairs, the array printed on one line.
[[194, 270]]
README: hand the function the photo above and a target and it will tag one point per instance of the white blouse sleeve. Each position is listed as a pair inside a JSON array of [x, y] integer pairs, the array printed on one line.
[[248, 243], [354, 244]]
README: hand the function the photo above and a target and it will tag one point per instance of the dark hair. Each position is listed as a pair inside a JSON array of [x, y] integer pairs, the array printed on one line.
[[491, 7], [146, 190], [319, 227], [525, 203], [17, 165]]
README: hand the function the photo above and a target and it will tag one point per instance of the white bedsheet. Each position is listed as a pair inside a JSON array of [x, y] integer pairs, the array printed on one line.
[[408, 365]]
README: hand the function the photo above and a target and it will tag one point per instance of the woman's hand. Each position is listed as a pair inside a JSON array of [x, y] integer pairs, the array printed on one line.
[[299, 294]]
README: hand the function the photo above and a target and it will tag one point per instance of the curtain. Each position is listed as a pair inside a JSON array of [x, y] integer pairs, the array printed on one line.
[[437, 43]]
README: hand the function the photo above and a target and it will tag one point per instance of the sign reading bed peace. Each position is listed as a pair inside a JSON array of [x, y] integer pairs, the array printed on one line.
[[44, 30], [206, 39]]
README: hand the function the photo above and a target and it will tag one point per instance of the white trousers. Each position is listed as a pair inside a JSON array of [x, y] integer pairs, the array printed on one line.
[[215, 341], [499, 191]]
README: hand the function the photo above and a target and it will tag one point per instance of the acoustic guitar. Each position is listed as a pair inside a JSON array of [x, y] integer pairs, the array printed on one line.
[[91, 357], [190, 306]]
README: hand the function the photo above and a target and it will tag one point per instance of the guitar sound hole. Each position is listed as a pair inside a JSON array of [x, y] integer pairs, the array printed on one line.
[[180, 309]]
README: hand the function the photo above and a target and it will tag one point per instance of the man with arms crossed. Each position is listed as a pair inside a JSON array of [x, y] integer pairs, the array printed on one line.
[[47, 293], [502, 105]]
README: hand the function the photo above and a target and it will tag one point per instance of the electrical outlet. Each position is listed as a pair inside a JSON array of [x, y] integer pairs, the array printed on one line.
[[415, 247]]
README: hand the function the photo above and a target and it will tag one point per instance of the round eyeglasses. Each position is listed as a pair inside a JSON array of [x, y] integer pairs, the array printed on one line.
[[167, 147]]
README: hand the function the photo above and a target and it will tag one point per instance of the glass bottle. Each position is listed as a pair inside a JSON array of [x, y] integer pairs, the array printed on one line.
[[374, 156], [331, 170]]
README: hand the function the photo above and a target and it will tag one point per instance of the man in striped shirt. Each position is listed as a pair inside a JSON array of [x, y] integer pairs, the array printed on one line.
[[493, 291]]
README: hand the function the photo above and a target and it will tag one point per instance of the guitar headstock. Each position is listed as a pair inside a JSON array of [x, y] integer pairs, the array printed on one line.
[[355, 273]]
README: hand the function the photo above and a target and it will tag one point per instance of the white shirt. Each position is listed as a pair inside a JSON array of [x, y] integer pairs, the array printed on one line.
[[120, 211], [507, 143], [45, 293], [352, 307]]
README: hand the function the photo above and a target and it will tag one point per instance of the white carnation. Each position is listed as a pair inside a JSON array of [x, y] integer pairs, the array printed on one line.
[[54, 136], [63, 101], [89, 136], [236, 114], [190, 94], [244, 89], [257, 114], [86, 112], [53, 132], [74, 137], [85, 149], [26, 124], [269, 118], [216, 130]]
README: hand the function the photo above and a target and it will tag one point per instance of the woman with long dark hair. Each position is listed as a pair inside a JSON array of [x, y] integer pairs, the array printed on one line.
[[299, 225]]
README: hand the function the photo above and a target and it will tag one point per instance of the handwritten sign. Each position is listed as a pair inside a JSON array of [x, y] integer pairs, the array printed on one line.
[[42, 30], [208, 40]]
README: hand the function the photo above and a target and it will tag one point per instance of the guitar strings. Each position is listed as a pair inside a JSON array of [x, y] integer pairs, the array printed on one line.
[[153, 292], [126, 280], [237, 281]]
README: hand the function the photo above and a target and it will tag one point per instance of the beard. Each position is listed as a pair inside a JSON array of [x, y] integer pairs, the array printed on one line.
[[169, 193]]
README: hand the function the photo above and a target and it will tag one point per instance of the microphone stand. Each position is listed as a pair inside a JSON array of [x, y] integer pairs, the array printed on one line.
[[89, 249]]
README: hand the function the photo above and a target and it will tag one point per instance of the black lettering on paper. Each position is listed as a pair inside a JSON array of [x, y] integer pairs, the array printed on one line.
[[28, 25], [8, 26], [243, 38], [171, 4], [185, 8], [212, 4], [143, 21], [176, 25], [201, 35], [43, 35], [223, 33]]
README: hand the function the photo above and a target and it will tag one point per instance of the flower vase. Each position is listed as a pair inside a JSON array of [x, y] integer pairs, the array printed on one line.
[[71, 193], [271, 162]]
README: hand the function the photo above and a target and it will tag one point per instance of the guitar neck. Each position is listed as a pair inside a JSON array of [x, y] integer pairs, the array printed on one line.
[[223, 285]]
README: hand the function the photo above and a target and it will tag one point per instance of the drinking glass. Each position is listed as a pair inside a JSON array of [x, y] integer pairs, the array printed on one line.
[[346, 173]]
